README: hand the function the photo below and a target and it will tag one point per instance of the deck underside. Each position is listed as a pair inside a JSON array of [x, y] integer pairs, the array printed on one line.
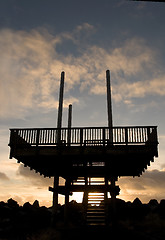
[[99, 161]]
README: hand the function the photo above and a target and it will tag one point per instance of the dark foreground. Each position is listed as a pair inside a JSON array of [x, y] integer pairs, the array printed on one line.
[[32, 222]]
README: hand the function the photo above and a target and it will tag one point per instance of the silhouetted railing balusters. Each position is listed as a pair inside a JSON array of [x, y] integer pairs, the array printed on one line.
[[85, 136]]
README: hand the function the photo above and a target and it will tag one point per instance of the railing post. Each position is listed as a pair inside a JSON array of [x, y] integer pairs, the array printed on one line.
[[37, 137], [126, 136], [69, 124], [148, 133], [103, 137], [81, 136]]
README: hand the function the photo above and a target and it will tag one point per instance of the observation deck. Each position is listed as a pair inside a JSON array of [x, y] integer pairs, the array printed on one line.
[[88, 151]]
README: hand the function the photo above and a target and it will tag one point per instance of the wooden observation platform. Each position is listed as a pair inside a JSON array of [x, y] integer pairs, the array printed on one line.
[[90, 159]]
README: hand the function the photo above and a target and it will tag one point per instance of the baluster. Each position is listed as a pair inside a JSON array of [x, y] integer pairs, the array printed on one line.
[[22, 133], [37, 137], [140, 135], [50, 136], [103, 136], [135, 135], [126, 136], [140, 130], [145, 135], [72, 136], [81, 136], [29, 140]]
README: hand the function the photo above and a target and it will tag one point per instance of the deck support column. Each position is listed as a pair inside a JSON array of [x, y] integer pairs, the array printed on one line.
[[85, 197], [114, 192], [106, 193], [67, 193], [55, 194], [106, 199]]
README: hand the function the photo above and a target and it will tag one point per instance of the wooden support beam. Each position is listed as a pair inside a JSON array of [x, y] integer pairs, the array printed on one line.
[[81, 188], [66, 210], [60, 107], [69, 124], [55, 193], [109, 106], [59, 125], [109, 101], [59, 190]]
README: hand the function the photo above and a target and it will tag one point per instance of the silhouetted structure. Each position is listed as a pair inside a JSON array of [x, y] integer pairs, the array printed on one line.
[[90, 159]]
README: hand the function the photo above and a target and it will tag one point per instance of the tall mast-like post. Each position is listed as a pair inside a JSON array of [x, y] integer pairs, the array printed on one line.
[[69, 123], [60, 107], [110, 125], [59, 125], [109, 107], [109, 100], [70, 116]]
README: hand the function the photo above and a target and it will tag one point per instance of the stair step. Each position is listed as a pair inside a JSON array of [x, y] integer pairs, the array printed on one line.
[[96, 197], [91, 205], [96, 224], [95, 220], [101, 217], [95, 214], [96, 209]]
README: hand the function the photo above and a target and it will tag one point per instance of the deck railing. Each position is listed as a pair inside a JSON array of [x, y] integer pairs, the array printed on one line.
[[87, 136]]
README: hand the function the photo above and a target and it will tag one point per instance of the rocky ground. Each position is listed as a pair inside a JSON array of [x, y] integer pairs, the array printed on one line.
[[134, 220]]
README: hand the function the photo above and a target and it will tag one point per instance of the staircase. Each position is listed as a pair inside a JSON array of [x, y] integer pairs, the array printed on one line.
[[95, 214], [95, 202]]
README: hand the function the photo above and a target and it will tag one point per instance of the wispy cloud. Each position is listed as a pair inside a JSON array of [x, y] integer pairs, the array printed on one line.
[[30, 67]]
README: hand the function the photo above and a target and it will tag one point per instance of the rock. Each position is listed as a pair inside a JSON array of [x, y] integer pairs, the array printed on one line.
[[12, 203], [36, 204]]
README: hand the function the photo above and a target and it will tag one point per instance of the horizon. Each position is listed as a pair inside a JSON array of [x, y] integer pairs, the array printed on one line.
[[126, 37]]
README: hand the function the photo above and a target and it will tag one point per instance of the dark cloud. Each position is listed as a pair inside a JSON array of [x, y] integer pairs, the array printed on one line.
[[4, 177], [155, 179]]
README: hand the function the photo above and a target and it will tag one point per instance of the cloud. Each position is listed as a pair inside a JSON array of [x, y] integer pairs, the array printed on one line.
[[30, 67], [149, 185], [4, 177]]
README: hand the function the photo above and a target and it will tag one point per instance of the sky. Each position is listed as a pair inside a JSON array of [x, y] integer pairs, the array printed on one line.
[[40, 39]]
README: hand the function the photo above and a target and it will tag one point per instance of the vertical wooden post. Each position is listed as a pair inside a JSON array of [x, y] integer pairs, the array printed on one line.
[[106, 198], [37, 137], [85, 197], [67, 191], [59, 125], [81, 136], [55, 193], [69, 123], [106, 186], [103, 137], [109, 106], [113, 198], [60, 107], [126, 136], [109, 101]]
